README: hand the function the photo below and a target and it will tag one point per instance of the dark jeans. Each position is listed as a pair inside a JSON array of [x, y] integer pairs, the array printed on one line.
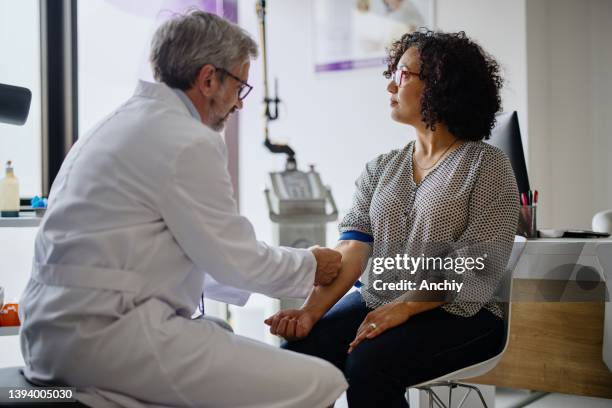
[[425, 347]]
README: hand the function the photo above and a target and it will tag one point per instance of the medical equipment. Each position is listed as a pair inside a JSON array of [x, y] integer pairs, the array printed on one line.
[[297, 200], [297, 206]]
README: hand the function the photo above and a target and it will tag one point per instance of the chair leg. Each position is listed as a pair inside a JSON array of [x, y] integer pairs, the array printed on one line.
[[471, 387], [435, 398], [467, 393], [438, 400]]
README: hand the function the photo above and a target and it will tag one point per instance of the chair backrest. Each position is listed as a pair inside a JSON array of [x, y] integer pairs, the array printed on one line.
[[504, 292], [504, 295]]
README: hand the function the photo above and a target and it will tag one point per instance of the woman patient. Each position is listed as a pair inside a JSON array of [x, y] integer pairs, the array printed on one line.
[[446, 194]]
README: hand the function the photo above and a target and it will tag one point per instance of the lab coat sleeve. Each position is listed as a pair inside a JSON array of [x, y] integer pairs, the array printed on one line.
[[198, 207], [222, 293]]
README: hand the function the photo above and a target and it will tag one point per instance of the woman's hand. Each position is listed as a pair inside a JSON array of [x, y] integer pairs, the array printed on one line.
[[381, 320], [291, 324]]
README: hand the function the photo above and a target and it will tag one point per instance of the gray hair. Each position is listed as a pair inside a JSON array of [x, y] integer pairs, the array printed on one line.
[[184, 44]]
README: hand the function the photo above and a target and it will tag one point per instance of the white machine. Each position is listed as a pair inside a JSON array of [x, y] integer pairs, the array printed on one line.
[[297, 205]]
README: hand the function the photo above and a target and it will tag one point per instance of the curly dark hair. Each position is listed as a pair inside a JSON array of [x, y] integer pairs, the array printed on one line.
[[462, 81]]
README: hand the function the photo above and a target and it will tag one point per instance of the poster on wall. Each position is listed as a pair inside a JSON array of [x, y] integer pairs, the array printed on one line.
[[352, 34]]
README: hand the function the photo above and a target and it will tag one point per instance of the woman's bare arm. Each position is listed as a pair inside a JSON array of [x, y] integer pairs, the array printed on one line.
[[355, 256]]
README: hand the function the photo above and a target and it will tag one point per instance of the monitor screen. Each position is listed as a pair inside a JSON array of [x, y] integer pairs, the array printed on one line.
[[507, 136]]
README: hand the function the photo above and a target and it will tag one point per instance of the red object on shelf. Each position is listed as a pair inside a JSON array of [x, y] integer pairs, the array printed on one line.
[[9, 315]]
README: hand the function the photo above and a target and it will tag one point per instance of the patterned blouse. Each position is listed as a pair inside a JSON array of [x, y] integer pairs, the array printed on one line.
[[467, 206]]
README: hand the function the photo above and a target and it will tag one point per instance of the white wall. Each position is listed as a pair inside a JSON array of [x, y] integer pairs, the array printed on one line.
[[20, 66], [570, 90], [499, 27]]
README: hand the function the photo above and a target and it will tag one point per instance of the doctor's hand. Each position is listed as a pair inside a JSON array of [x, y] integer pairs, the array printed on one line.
[[329, 262], [291, 324]]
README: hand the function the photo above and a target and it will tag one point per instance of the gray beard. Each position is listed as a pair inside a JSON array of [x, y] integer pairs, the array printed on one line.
[[218, 125]]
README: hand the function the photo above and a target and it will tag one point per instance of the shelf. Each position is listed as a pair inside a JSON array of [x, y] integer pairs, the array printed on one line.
[[9, 331], [24, 220]]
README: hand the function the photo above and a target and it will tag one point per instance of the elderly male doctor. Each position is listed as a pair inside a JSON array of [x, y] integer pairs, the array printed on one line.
[[140, 216]]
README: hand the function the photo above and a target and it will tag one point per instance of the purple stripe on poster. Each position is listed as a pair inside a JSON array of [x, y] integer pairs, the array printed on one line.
[[230, 10], [350, 64], [224, 8], [167, 8]]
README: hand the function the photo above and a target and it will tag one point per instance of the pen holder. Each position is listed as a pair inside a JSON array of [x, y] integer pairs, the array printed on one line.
[[527, 225]]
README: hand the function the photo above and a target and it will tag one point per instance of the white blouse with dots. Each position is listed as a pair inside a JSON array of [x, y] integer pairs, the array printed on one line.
[[467, 206]]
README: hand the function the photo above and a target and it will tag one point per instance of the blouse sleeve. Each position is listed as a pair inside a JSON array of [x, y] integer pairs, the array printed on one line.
[[358, 217]]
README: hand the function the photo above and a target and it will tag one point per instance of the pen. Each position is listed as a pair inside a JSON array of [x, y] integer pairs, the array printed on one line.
[[535, 197], [529, 198], [523, 199]]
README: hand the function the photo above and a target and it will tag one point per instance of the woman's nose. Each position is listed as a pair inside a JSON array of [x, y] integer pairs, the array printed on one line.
[[392, 87]]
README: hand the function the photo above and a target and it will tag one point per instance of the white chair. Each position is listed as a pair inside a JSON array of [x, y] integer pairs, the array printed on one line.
[[453, 380]]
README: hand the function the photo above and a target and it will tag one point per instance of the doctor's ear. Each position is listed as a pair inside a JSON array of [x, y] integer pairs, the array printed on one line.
[[207, 80]]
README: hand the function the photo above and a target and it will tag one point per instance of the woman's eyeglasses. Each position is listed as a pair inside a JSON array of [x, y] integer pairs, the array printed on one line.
[[399, 74], [244, 88]]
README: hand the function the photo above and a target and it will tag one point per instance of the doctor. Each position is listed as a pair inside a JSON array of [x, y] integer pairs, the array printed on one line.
[[140, 215]]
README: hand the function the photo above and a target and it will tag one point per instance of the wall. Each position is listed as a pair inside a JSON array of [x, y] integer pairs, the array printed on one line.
[[499, 27], [570, 89], [20, 66]]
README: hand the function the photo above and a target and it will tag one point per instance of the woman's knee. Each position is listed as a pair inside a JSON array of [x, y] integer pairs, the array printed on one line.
[[362, 364]]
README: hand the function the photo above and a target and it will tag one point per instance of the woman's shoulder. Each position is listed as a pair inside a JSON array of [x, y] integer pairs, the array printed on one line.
[[486, 153], [391, 157]]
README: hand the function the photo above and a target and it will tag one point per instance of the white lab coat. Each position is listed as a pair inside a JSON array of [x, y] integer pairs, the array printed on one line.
[[140, 212]]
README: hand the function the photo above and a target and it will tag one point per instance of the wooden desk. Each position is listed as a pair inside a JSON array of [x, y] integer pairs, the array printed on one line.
[[554, 346]]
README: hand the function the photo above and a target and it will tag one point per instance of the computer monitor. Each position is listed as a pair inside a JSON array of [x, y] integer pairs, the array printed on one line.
[[507, 136]]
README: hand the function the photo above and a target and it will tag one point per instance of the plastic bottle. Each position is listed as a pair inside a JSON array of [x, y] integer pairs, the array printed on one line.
[[9, 193]]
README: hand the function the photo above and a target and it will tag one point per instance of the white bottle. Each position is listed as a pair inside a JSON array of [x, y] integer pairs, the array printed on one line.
[[9, 193]]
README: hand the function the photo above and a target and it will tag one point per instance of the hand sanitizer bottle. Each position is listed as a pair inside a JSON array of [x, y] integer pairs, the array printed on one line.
[[9, 193]]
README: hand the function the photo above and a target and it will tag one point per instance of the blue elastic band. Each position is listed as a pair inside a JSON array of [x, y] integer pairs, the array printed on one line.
[[356, 236]]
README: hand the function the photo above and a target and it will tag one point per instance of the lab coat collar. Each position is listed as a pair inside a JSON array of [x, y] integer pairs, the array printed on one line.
[[161, 91], [188, 103]]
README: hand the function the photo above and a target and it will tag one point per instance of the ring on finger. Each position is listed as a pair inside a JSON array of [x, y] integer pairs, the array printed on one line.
[[373, 326]]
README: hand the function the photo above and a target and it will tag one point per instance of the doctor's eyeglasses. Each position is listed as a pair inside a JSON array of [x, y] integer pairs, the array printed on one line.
[[244, 88]]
